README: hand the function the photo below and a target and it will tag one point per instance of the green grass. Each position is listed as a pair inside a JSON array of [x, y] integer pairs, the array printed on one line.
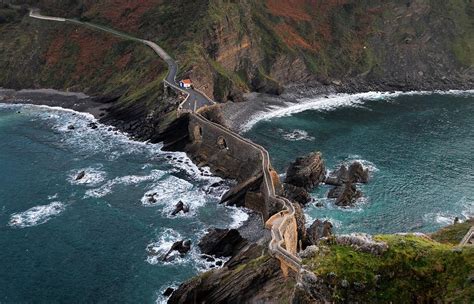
[[412, 267]]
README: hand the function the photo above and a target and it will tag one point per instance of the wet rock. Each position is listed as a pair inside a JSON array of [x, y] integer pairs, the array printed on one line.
[[318, 230], [182, 247], [81, 175], [297, 194], [180, 206], [306, 172], [92, 125], [345, 195], [71, 127], [357, 173], [354, 174], [222, 242], [151, 197], [219, 263], [168, 292]]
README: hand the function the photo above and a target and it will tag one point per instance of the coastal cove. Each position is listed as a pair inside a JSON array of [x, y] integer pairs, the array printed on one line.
[[92, 238], [417, 146]]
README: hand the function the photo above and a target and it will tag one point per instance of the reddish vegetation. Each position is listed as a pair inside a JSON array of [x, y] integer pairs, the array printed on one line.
[[91, 51], [124, 61], [292, 39], [55, 50], [294, 9], [123, 14]]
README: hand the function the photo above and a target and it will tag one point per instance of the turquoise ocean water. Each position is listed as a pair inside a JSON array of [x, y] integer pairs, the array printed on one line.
[[418, 147], [74, 241], [86, 241]]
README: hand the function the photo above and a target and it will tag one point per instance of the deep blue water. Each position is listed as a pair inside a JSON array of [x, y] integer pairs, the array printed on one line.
[[86, 241], [419, 149]]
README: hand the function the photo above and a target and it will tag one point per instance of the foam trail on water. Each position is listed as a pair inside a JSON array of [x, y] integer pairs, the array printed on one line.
[[36, 216], [331, 102]]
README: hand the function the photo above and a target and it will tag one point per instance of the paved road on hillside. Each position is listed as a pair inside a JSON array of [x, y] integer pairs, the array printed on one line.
[[194, 100]]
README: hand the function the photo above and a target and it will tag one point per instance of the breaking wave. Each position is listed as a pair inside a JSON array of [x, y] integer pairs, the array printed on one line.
[[331, 102], [36, 216]]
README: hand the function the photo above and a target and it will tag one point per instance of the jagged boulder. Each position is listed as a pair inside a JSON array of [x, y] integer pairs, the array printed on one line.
[[306, 172], [344, 179], [345, 195], [221, 242], [180, 207], [182, 247], [357, 173], [297, 194], [318, 229]]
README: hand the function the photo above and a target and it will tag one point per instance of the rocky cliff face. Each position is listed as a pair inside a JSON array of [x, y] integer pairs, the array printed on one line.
[[233, 47]]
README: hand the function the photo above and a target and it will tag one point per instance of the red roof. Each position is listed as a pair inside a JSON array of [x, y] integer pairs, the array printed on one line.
[[186, 81]]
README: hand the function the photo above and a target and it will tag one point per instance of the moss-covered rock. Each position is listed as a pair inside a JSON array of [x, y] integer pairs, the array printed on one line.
[[414, 269]]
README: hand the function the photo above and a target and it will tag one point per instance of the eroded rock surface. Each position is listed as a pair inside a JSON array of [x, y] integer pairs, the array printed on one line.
[[318, 229], [306, 172], [222, 242]]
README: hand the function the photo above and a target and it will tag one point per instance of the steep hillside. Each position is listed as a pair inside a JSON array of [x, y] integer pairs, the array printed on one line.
[[230, 47]]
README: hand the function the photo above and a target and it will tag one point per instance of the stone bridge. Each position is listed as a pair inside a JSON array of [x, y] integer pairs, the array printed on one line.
[[237, 157], [229, 154]]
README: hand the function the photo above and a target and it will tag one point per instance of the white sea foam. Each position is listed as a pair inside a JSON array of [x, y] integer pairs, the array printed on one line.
[[169, 191], [365, 163], [296, 135], [124, 180], [239, 216], [36, 216], [92, 177], [331, 102], [157, 250]]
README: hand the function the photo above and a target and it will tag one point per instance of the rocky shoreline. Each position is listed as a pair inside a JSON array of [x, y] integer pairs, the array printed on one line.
[[250, 266]]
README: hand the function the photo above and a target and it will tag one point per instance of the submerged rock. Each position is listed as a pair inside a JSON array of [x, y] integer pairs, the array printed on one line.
[[182, 247], [80, 175], [168, 292], [306, 172], [71, 127], [180, 206]]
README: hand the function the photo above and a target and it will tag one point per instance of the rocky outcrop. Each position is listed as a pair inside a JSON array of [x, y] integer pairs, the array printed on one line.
[[345, 179], [180, 207], [362, 242], [248, 278], [306, 172], [317, 231], [346, 195], [182, 247], [297, 194], [222, 242]]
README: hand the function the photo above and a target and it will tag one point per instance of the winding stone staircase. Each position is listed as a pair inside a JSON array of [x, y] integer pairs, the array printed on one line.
[[283, 227]]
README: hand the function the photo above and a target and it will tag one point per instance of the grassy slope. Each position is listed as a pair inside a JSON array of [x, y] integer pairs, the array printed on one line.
[[334, 38], [414, 269], [39, 54]]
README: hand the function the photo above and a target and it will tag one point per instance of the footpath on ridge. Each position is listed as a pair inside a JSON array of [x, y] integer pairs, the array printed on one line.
[[195, 100]]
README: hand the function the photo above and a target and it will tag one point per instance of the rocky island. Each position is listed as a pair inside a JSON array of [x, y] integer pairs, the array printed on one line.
[[105, 49]]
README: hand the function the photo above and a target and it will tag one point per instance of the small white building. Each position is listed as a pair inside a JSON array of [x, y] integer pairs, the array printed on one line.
[[186, 83]]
